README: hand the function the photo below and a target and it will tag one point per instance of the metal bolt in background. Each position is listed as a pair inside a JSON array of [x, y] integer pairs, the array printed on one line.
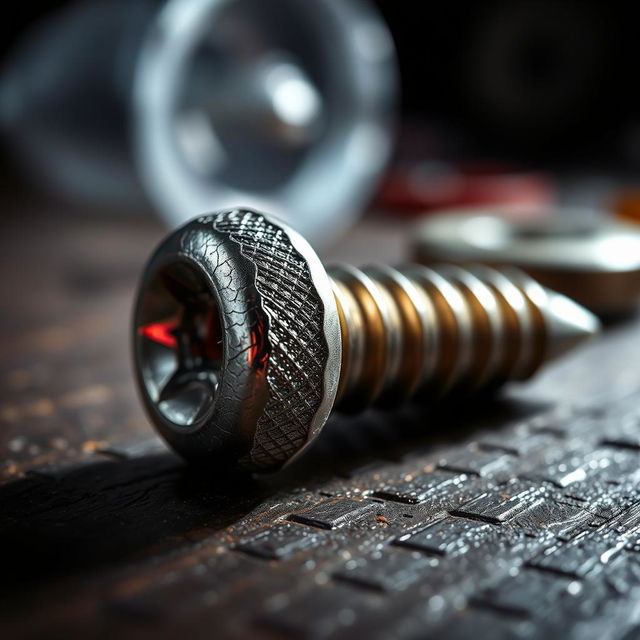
[[244, 343]]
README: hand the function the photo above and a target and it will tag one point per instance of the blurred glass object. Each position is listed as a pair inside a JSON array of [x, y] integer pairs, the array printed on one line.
[[203, 104]]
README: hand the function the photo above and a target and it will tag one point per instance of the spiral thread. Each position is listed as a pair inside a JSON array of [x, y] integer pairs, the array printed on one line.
[[434, 331]]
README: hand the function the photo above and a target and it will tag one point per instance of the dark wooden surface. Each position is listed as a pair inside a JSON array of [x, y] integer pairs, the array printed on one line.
[[103, 531]]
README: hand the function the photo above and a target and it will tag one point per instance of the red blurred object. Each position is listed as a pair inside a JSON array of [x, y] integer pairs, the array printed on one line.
[[626, 205], [434, 185]]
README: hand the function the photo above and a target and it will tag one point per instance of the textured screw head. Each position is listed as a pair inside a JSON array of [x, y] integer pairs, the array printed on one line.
[[237, 340], [243, 343]]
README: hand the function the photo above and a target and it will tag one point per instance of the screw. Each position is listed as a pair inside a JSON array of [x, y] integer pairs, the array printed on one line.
[[243, 343]]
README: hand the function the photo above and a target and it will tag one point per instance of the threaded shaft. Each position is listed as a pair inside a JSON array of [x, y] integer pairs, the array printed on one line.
[[434, 330]]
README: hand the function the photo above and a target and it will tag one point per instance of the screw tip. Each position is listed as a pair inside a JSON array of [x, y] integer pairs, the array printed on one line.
[[568, 324]]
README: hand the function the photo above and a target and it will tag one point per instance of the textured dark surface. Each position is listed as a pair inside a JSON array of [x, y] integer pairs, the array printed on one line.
[[518, 518]]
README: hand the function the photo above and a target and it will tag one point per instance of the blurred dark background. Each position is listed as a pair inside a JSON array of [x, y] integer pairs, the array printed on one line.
[[539, 80], [545, 90], [547, 81]]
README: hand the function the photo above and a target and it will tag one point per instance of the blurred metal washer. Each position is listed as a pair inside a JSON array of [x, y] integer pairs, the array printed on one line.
[[584, 254]]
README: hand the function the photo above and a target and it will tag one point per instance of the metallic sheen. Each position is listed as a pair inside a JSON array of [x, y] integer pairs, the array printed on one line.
[[243, 343], [586, 255]]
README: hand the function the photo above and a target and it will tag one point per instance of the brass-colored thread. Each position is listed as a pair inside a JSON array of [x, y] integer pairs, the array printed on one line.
[[487, 323], [513, 306], [536, 300], [451, 316], [434, 331], [413, 313], [363, 307]]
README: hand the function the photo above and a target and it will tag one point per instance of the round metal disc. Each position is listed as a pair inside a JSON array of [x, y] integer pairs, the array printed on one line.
[[593, 259]]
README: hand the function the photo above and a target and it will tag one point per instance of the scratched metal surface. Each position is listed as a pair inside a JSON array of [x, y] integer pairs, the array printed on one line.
[[518, 518]]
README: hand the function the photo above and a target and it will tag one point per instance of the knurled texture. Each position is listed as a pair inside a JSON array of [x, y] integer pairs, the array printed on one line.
[[298, 349]]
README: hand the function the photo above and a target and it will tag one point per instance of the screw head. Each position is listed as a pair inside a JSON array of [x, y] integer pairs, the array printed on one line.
[[236, 340]]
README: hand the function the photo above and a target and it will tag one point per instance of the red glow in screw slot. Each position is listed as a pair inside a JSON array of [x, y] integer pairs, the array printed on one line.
[[161, 332], [258, 355]]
